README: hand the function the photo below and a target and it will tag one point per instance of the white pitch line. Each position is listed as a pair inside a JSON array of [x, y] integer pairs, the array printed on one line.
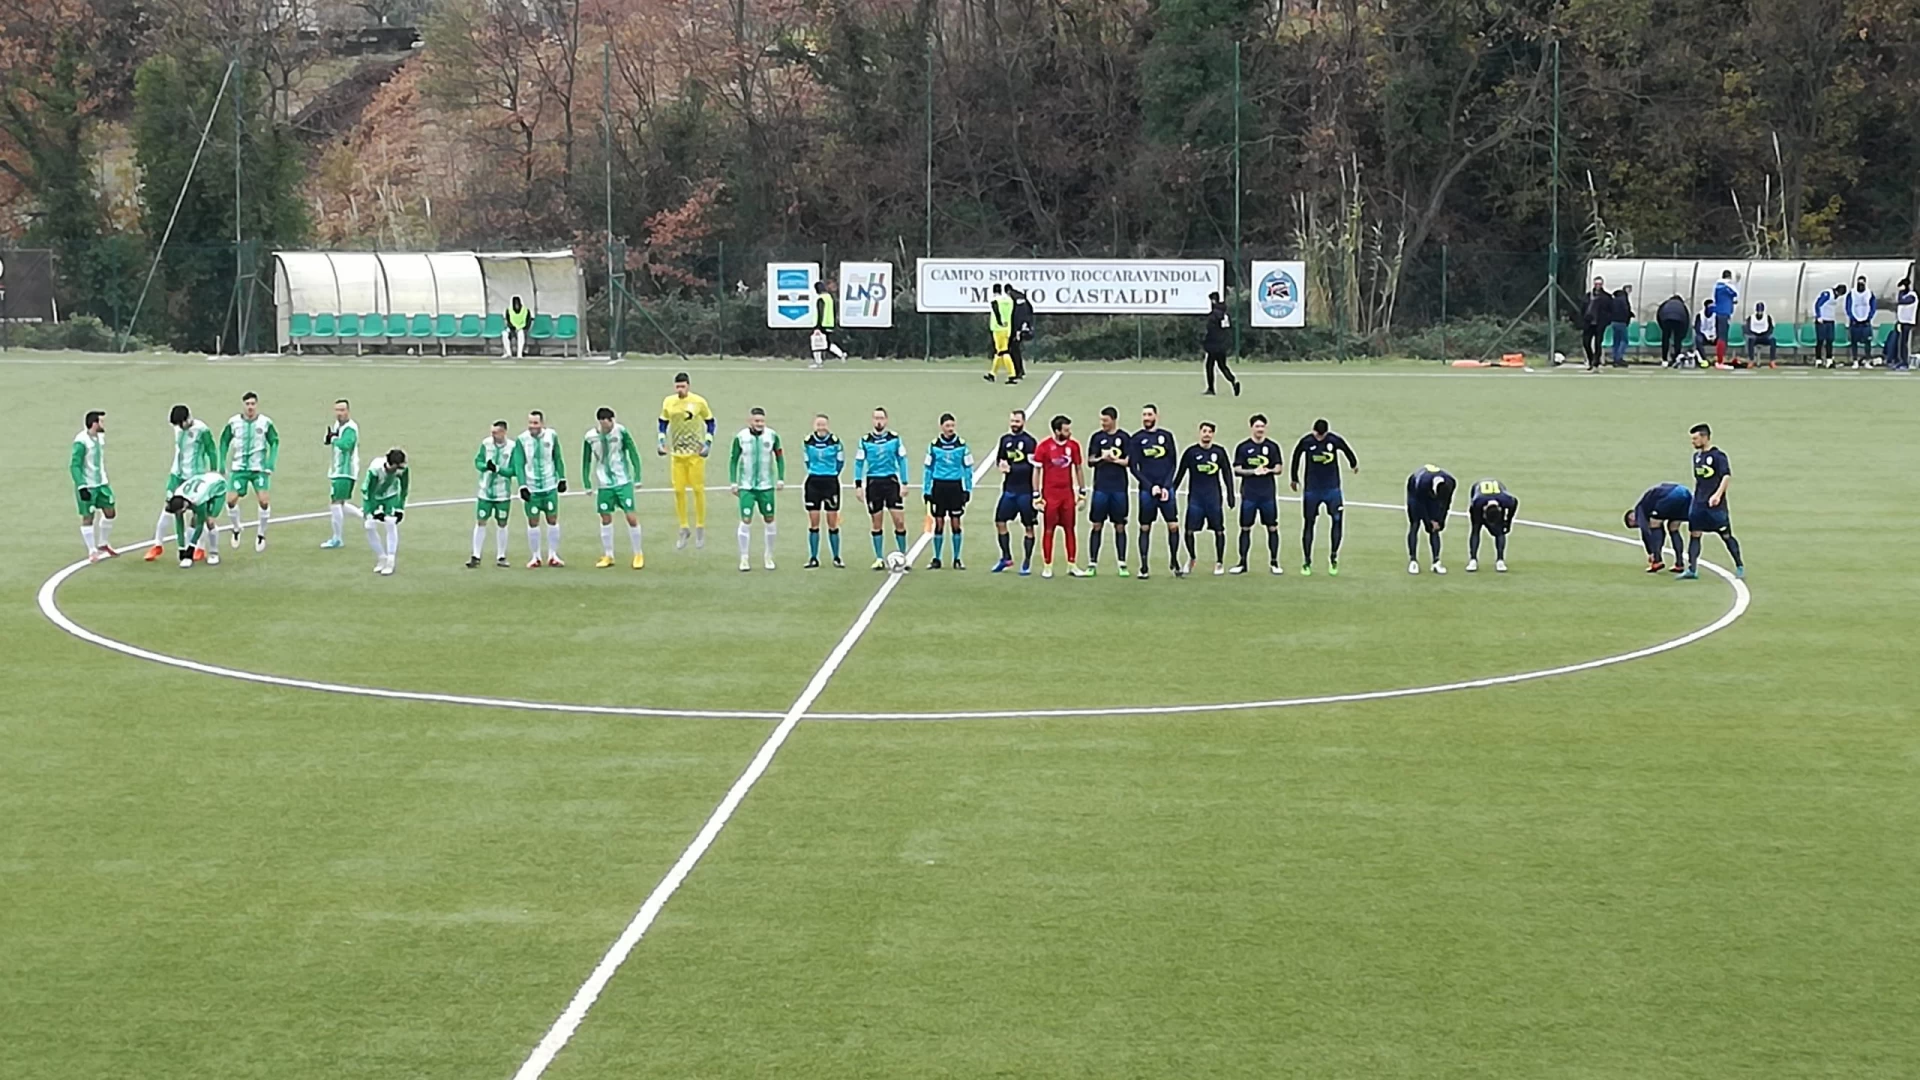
[[571, 1017]]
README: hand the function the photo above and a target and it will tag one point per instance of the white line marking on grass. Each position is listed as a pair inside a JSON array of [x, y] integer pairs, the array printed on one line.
[[563, 1028]]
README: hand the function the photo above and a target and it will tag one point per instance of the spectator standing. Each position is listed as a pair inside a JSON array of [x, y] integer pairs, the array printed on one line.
[[1861, 306], [1022, 332], [1726, 296], [1672, 317], [1825, 307], [1705, 330], [1760, 332], [1218, 340], [1594, 320], [1622, 322], [1906, 310]]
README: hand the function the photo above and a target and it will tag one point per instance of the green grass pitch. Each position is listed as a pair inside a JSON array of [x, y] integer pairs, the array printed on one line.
[[1697, 864]]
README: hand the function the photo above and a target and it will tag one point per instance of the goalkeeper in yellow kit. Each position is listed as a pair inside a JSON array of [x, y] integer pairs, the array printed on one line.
[[686, 428]]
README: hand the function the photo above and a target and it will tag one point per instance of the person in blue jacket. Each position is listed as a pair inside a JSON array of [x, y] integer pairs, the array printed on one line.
[[1725, 296]]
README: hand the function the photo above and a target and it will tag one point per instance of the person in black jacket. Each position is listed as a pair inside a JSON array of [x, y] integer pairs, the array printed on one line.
[[1673, 316], [1594, 320], [1218, 340], [1622, 322], [1022, 332]]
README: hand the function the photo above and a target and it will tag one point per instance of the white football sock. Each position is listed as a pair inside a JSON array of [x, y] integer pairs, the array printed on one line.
[[163, 529], [101, 530], [771, 530], [533, 541], [233, 516], [337, 513], [553, 540], [633, 536], [373, 538], [86, 537], [500, 541], [393, 539], [745, 538], [479, 539], [606, 540], [265, 514]]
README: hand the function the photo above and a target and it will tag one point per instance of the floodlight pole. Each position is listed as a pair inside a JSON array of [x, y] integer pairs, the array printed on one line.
[[193, 167], [240, 293], [1553, 250], [1238, 283], [614, 315], [926, 321]]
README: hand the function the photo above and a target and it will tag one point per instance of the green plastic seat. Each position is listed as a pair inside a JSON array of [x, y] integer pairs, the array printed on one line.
[[420, 326], [542, 328], [299, 325], [325, 325], [445, 326], [1636, 334], [495, 326], [469, 326], [1881, 333], [373, 324], [1737, 336], [566, 327], [349, 325], [1807, 335], [1786, 335], [396, 325]]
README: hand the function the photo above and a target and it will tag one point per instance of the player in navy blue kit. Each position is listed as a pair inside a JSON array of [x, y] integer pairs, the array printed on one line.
[[1154, 455], [1429, 497], [1492, 510], [1321, 450], [1256, 461], [1662, 508], [1015, 462], [1107, 452], [1207, 470], [1712, 475]]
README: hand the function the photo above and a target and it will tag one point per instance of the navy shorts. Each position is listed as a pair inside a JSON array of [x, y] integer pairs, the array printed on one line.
[[1163, 509], [1202, 515], [1706, 519], [1421, 511], [1108, 506], [1015, 504], [1266, 510], [1311, 501]]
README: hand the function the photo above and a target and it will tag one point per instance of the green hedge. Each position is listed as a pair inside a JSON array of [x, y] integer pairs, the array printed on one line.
[[82, 333]]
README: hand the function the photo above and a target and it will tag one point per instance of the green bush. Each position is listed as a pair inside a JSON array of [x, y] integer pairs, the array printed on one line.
[[82, 333]]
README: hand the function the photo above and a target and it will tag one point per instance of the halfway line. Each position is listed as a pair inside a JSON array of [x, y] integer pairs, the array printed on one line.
[[570, 1018]]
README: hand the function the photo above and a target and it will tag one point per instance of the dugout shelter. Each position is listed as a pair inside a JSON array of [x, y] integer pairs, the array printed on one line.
[[1787, 286], [388, 301]]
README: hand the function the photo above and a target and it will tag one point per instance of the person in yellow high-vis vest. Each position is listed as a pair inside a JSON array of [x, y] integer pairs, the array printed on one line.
[[825, 321], [513, 340], [1000, 323]]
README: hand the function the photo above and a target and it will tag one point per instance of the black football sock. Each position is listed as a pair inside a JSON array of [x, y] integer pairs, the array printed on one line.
[[1246, 541], [1433, 541], [1500, 546], [1273, 546], [1006, 547], [1413, 541], [1306, 546], [1190, 554], [1146, 544], [1120, 543], [1733, 547], [1220, 547], [1693, 552], [1473, 545], [1026, 556], [1339, 527], [1093, 547]]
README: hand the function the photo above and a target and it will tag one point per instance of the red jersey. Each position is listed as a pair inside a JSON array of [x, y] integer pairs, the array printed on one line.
[[1056, 460]]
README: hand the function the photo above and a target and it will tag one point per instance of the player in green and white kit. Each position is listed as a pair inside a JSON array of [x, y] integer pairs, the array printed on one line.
[[343, 465], [193, 454], [756, 469], [542, 470], [383, 503], [611, 461], [91, 491], [199, 498], [250, 445], [494, 462]]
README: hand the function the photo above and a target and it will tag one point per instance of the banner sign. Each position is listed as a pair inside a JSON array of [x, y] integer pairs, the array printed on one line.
[[1279, 294], [866, 294], [790, 295], [1073, 286]]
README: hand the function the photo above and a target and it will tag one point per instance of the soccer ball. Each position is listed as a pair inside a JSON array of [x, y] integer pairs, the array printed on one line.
[[1559, 358], [896, 561]]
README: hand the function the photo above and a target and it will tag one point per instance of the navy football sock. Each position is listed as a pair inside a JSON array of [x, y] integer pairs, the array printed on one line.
[[1733, 547], [1220, 547], [1306, 545], [1679, 553], [1273, 546], [1190, 555], [1473, 544], [1026, 554], [1006, 547], [1339, 526], [1146, 544], [1433, 541], [1500, 546], [1120, 543], [1413, 541], [1693, 552], [1246, 541], [1093, 547]]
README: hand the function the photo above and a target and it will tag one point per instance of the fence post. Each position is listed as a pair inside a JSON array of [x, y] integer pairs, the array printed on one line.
[[720, 302], [1443, 303]]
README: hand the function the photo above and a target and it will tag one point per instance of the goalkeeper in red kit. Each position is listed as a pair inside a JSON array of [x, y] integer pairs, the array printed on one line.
[[1062, 484]]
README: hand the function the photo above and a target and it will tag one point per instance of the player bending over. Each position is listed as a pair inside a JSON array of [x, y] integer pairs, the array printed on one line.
[[1256, 461], [494, 499], [343, 467], [611, 462], [383, 504], [197, 499], [1492, 509], [686, 427], [1014, 459], [1712, 475], [1662, 508], [1107, 449], [756, 468], [91, 491], [1429, 497], [1062, 483], [825, 456], [947, 475], [1154, 456], [879, 471], [1321, 450], [193, 454], [250, 445], [1209, 469], [542, 471]]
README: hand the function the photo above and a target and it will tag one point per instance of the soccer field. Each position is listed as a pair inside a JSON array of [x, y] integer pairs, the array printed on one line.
[[1697, 862]]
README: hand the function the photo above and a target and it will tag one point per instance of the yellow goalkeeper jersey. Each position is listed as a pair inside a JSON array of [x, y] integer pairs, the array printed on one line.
[[686, 423]]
